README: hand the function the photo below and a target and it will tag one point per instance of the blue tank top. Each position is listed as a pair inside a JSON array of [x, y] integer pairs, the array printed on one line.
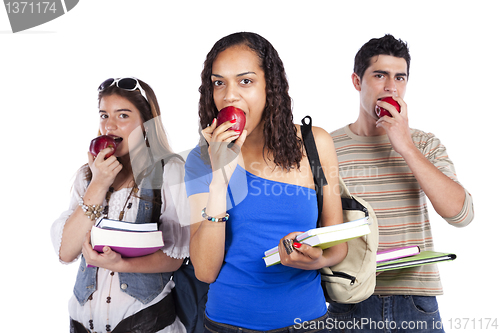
[[247, 293]]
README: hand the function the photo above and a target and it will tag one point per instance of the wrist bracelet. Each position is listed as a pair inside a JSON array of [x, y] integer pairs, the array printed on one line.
[[213, 219], [93, 212]]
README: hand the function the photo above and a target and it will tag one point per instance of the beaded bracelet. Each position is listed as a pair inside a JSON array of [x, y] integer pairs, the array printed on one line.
[[213, 219]]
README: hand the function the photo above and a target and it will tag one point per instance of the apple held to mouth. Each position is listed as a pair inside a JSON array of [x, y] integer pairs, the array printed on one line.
[[383, 112], [102, 142], [232, 113]]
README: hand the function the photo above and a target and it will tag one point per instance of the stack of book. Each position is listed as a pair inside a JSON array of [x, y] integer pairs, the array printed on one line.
[[128, 239], [324, 237], [409, 256]]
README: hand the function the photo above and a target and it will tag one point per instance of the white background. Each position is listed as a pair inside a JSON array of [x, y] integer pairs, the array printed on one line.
[[49, 76]]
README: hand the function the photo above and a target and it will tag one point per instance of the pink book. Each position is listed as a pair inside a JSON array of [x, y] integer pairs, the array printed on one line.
[[127, 243], [130, 252], [397, 253]]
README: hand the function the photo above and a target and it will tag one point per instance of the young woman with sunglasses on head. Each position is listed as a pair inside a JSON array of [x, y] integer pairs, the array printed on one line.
[[255, 194], [126, 294]]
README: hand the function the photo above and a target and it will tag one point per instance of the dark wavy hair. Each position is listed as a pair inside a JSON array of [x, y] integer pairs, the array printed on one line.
[[280, 133], [387, 45]]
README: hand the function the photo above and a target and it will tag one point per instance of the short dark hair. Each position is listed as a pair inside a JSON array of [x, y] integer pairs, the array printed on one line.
[[387, 45]]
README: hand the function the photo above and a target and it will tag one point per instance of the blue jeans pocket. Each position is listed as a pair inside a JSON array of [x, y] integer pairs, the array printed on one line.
[[425, 304]]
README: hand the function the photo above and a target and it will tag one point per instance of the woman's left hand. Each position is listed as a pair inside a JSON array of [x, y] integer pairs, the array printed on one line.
[[303, 256], [109, 259]]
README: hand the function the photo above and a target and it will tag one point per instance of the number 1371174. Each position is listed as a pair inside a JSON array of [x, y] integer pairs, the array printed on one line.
[[30, 7], [473, 323]]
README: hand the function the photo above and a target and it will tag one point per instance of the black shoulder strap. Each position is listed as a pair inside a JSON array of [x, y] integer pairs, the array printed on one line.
[[314, 161]]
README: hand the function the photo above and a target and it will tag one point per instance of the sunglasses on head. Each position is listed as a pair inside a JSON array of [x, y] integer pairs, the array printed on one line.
[[126, 83]]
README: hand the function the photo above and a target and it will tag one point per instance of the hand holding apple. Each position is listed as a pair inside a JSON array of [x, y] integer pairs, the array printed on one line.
[[102, 142], [397, 128], [232, 113], [224, 145], [383, 112], [104, 170]]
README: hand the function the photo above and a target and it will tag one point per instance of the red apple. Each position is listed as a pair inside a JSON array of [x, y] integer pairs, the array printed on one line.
[[102, 142], [383, 112], [230, 113]]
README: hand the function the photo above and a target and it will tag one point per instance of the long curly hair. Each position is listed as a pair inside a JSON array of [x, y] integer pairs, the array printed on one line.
[[280, 134]]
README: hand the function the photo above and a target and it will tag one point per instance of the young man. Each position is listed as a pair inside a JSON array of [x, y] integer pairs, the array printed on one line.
[[394, 167]]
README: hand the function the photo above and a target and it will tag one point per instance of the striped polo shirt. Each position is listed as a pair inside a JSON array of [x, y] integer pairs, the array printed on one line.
[[372, 170]]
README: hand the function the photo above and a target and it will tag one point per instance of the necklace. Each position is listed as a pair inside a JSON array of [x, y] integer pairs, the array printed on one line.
[[108, 301], [127, 205]]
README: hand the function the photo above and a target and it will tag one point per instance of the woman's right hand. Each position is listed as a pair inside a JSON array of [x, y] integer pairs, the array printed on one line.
[[104, 171], [223, 152]]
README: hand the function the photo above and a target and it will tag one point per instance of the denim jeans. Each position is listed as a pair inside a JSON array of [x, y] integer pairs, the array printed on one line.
[[313, 326], [387, 314]]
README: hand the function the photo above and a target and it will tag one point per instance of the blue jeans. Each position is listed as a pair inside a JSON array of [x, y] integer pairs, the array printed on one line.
[[313, 326], [387, 314]]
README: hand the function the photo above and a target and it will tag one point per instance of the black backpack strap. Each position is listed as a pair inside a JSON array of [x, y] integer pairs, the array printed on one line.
[[314, 161]]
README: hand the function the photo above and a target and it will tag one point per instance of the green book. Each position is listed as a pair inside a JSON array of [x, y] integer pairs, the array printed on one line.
[[423, 258], [324, 237]]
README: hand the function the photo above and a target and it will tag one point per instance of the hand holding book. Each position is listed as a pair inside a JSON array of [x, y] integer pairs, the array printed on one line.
[[298, 255], [108, 258], [129, 239], [322, 238], [124, 238]]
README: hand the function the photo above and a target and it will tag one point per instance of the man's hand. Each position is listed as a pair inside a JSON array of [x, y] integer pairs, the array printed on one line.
[[447, 197], [397, 127]]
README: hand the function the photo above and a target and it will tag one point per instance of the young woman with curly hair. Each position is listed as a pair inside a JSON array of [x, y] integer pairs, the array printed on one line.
[[252, 190]]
